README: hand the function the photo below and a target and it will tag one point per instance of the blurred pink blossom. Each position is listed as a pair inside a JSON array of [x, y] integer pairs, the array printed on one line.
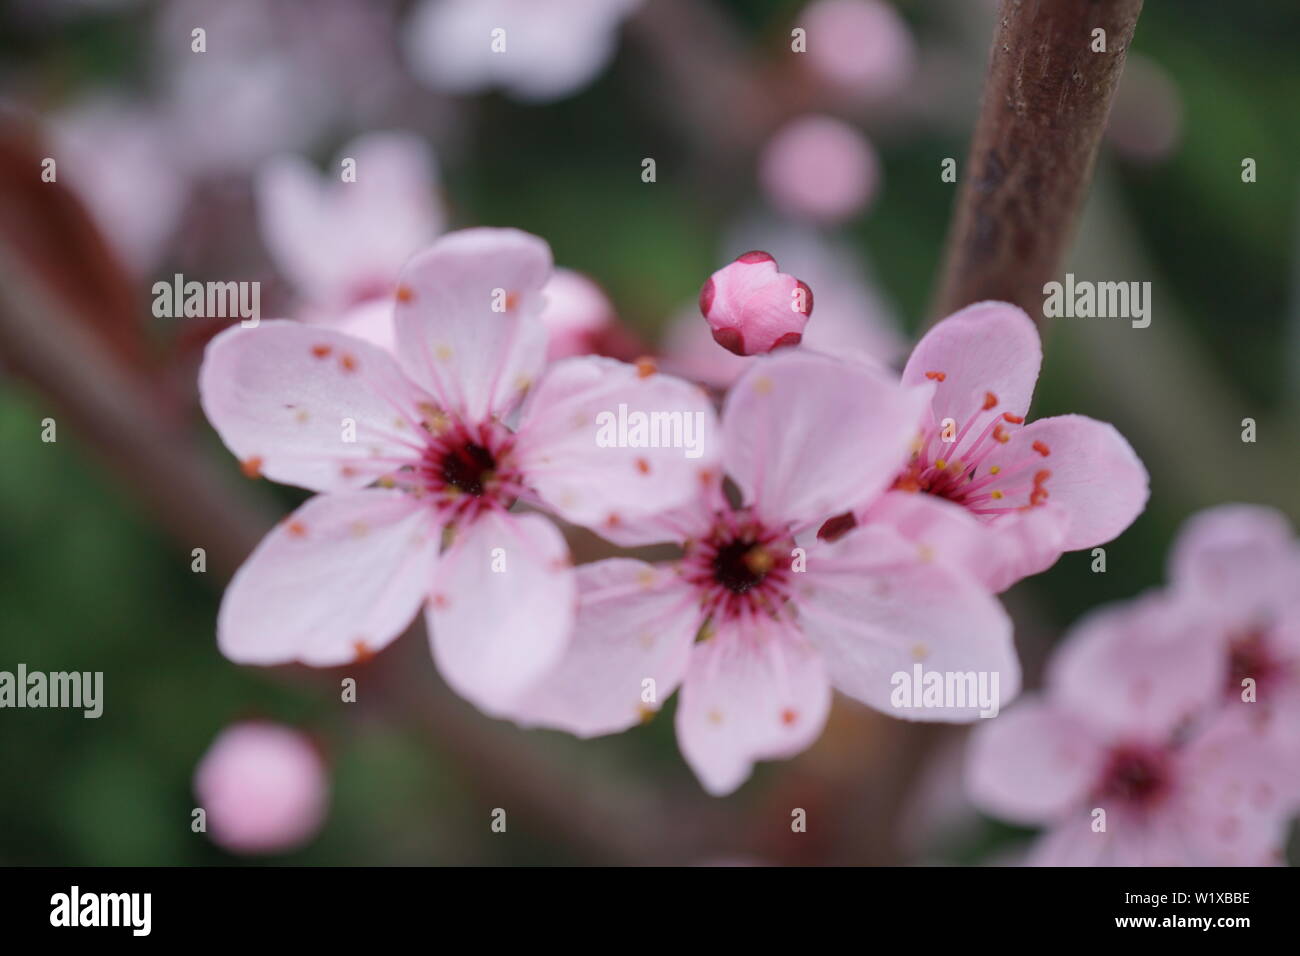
[[861, 47], [114, 156], [263, 787], [533, 50], [274, 76], [1146, 120], [754, 630], [429, 457], [1239, 566], [819, 169], [1132, 724], [343, 242], [577, 314]]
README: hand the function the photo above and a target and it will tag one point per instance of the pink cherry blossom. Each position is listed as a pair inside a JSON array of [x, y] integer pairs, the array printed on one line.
[[861, 47], [263, 788], [544, 51], [754, 630], [1238, 566], [1039, 489], [435, 442], [342, 242], [1131, 724], [819, 169], [752, 308]]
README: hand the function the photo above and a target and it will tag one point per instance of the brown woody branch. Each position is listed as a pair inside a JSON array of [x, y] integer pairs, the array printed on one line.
[[1044, 110]]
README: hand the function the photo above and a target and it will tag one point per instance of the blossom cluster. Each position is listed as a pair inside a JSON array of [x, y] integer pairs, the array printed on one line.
[[1167, 731], [836, 523]]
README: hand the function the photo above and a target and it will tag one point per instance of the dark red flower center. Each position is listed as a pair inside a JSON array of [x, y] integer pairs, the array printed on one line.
[[467, 466], [741, 565], [1137, 776]]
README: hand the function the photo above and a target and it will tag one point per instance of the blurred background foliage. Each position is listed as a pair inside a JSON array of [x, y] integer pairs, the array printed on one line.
[[87, 582]]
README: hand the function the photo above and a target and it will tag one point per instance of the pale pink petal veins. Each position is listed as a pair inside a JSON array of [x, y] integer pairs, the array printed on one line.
[[807, 436], [502, 607], [876, 606], [757, 692], [309, 406], [636, 623], [337, 580], [1092, 472], [1032, 764], [467, 319], [989, 347], [602, 442]]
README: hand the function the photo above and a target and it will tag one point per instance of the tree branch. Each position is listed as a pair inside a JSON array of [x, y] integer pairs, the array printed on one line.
[[1044, 110]]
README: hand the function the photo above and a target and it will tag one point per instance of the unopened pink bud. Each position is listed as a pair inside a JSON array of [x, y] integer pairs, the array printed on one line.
[[753, 308], [262, 787]]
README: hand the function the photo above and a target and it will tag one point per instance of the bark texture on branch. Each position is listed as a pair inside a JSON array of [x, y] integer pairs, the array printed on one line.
[[1041, 120]]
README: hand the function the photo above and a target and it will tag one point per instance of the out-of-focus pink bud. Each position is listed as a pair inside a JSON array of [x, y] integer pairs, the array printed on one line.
[[263, 788], [819, 169], [1146, 121], [862, 47], [576, 315], [752, 308]]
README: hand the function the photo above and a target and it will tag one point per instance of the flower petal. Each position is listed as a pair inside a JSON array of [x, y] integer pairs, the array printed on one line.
[[807, 436], [584, 437], [1233, 549], [1032, 764], [1140, 667], [309, 406], [1239, 796], [468, 319], [339, 579], [877, 607], [1094, 474], [503, 607], [635, 623], [752, 693], [985, 347], [998, 554]]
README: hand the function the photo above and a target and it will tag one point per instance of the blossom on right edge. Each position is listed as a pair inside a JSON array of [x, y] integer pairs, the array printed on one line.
[[1035, 491], [1129, 758]]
